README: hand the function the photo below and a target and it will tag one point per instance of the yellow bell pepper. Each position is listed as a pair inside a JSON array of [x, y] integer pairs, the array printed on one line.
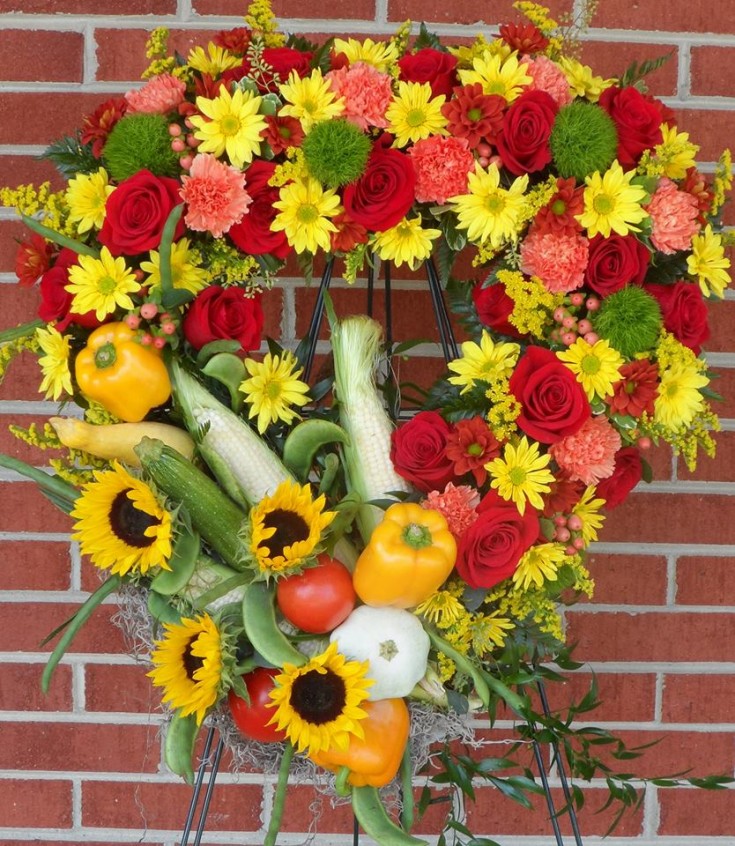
[[374, 759], [410, 554], [125, 377]]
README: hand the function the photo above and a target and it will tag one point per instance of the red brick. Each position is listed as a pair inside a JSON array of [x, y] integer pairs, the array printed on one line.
[[717, 469], [611, 59], [89, 7], [721, 319], [628, 579], [304, 804], [19, 304], [698, 699], [702, 813], [707, 78], [36, 565], [20, 689], [464, 12], [676, 15], [272, 302], [712, 130], [11, 445], [41, 55], [665, 636], [47, 804], [38, 118], [622, 697], [724, 384], [705, 581], [11, 233], [119, 687], [121, 53], [659, 458], [30, 511], [358, 9], [235, 807], [687, 519], [69, 747], [697, 753], [30, 170], [22, 379]]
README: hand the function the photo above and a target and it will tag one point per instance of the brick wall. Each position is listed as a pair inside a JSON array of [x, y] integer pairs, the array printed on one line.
[[83, 763]]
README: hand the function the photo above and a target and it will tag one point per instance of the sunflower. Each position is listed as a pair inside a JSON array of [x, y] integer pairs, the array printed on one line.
[[54, 362], [286, 528], [612, 203], [86, 196], [189, 665], [521, 474], [304, 212], [230, 123], [318, 704], [274, 388], [415, 114], [101, 285], [406, 242], [596, 366], [121, 525]]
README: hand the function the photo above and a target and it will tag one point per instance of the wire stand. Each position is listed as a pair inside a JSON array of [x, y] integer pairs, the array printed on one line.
[[450, 351]]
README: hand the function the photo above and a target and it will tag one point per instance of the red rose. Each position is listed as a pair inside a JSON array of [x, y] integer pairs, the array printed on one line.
[[553, 403], [638, 120], [419, 451], [436, 67], [253, 234], [684, 312], [615, 262], [137, 211], [626, 475], [494, 307], [523, 140], [55, 305], [382, 196], [220, 313], [490, 549]]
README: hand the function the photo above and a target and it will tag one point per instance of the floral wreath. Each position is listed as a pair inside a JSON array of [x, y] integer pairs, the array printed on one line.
[[305, 559]]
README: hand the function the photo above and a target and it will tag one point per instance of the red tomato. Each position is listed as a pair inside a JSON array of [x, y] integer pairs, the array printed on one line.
[[252, 717], [318, 599]]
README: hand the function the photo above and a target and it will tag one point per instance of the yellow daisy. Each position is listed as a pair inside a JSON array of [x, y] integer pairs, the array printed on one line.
[[489, 212], [214, 62], [521, 474], [483, 362], [86, 196], [488, 631], [708, 263], [501, 75], [539, 564], [185, 271], [415, 114], [286, 528], [442, 608], [380, 54], [611, 203], [582, 81], [274, 388], [596, 366], [101, 285], [188, 665], [679, 398], [588, 510], [310, 99], [121, 525], [54, 362], [405, 243], [229, 124], [676, 152], [318, 704], [304, 212]]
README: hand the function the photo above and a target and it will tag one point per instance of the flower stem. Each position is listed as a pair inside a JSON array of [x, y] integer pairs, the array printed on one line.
[[279, 800]]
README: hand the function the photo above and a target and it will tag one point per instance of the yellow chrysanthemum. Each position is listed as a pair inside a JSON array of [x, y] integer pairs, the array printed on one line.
[[305, 209], [54, 363], [588, 510], [414, 113], [121, 525], [274, 388], [380, 54], [611, 203], [310, 99], [582, 81], [86, 196], [521, 474], [488, 631], [318, 704], [443, 609], [539, 564], [215, 61], [483, 362], [596, 366], [185, 272], [229, 124], [505, 76], [286, 528], [708, 263], [188, 665], [679, 398], [676, 152], [405, 243], [489, 212], [101, 285]]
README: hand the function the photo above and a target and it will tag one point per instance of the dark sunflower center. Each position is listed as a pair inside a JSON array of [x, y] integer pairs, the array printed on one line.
[[318, 697], [129, 523], [192, 663], [290, 528]]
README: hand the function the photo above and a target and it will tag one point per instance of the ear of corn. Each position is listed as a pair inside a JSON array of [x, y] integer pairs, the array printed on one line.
[[370, 473]]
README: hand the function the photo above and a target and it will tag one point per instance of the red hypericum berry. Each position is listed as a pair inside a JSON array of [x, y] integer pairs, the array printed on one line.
[[132, 320], [159, 343], [148, 311]]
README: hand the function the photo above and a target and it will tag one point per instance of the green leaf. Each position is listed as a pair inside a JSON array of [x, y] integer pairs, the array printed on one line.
[[214, 347], [372, 816], [176, 297], [71, 157], [428, 39], [21, 331], [634, 74], [57, 238], [61, 493], [164, 250]]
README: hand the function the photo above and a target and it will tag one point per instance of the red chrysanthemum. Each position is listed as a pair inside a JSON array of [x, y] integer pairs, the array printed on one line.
[[100, 123], [474, 115], [557, 217], [348, 235], [563, 496], [32, 260], [235, 40], [637, 390], [471, 446], [282, 133], [524, 37], [696, 185]]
